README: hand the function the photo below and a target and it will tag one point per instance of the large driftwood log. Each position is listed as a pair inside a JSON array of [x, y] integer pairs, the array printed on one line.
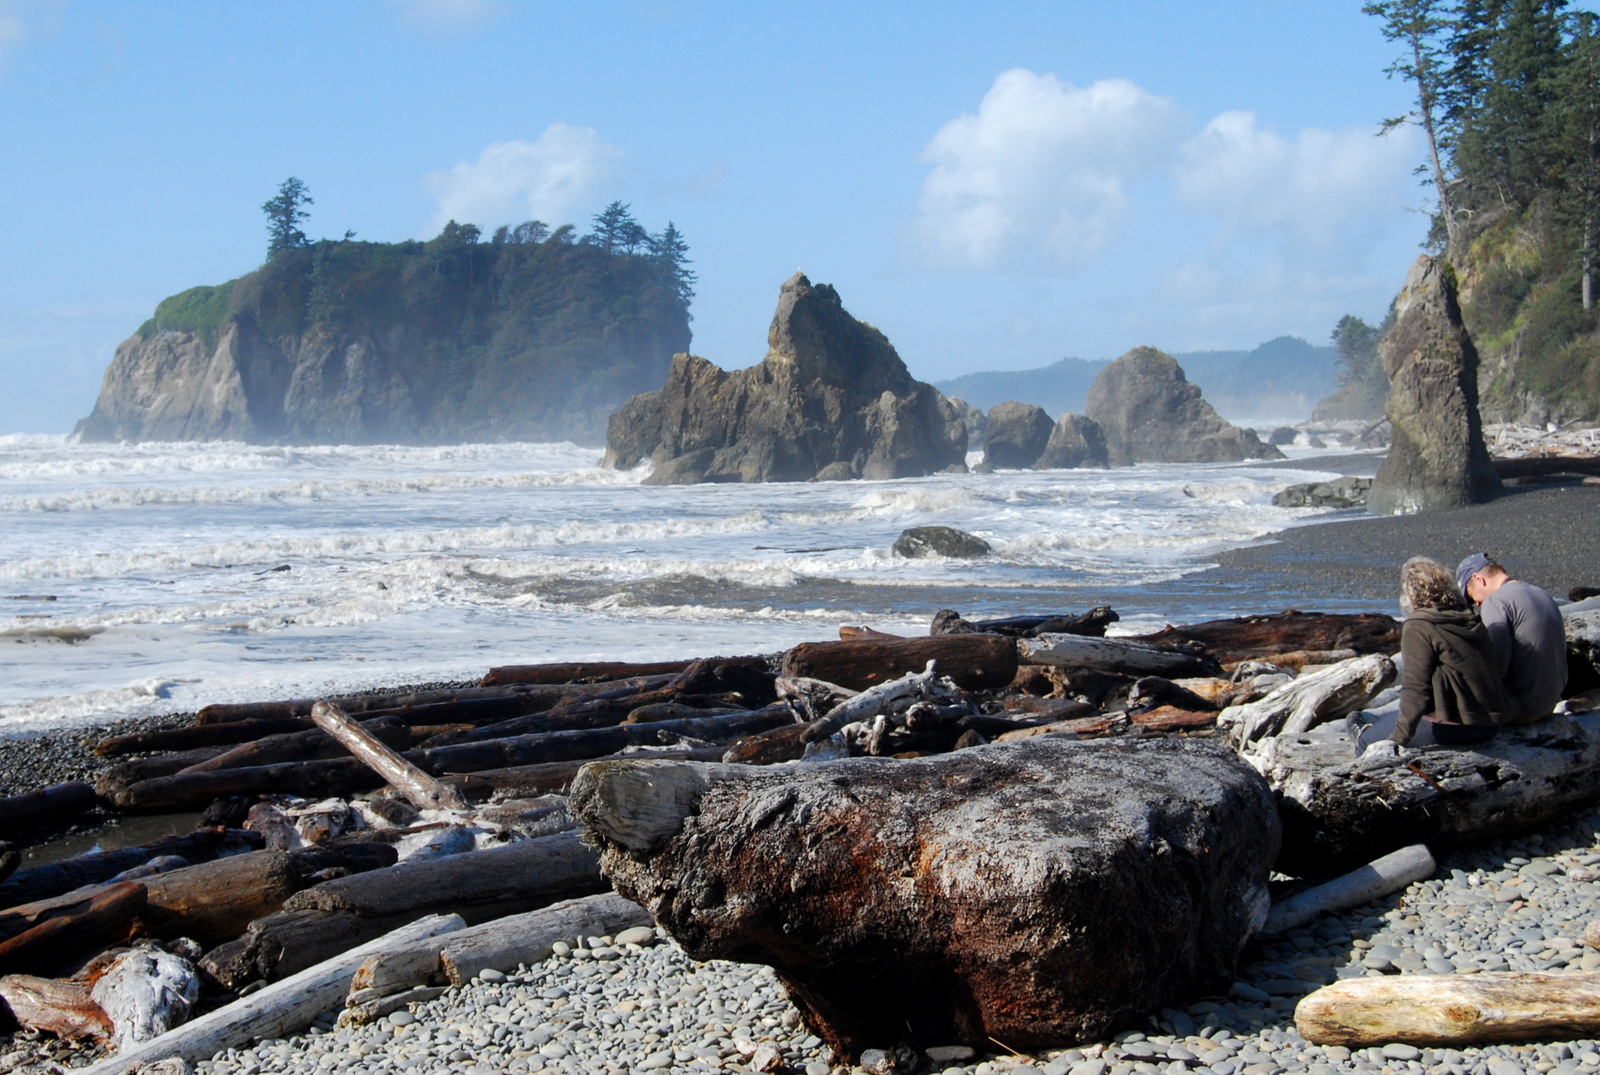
[[68, 926], [333, 778], [64, 1009], [1315, 698], [1452, 1009], [524, 781], [598, 709], [124, 774], [1091, 624], [892, 903], [973, 662], [1252, 637], [56, 804], [272, 1012], [313, 744], [200, 735], [1117, 655], [578, 671], [1378, 878], [356, 704], [285, 943], [416, 786], [1339, 813], [215, 901], [1546, 466], [53, 879]]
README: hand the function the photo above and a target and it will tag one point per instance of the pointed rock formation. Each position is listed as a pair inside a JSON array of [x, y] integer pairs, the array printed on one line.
[[1150, 413], [831, 400], [1438, 459], [1015, 434]]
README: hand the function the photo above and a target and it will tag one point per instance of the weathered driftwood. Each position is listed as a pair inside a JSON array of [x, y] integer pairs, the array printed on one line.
[[1080, 727], [272, 1012], [848, 633], [62, 1008], [596, 709], [1124, 873], [478, 885], [659, 711], [146, 991], [417, 787], [1248, 637], [373, 704], [1339, 813], [770, 747], [973, 662], [333, 778], [285, 943], [56, 804], [1545, 466], [875, 700], [53, 879], [1452, 1009], [1117, 655], [310, 745], [1380, 877], [1169, 719], [43, 936], [200, 735], [125, 774], [578, 671], [1312, 699], [215, 901], [555, 777], [1090, 624]]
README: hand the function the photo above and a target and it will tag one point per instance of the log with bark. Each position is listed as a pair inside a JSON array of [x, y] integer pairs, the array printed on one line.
[[55, 878], [1312, 699], [310, 745], [1122, 655], [62, 1008], [273, 1012], [1339, 813], [1452, 1009], [215, 901], [579, 671], [1169, 720], [363, 704], [1247, 637], [973, 662], [45, 936], [555, 777], [54, 805]]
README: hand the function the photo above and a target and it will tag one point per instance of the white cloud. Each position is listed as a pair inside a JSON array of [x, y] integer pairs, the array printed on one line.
[[450, 16], [549, 179], [1040, 173], [1311, 188]]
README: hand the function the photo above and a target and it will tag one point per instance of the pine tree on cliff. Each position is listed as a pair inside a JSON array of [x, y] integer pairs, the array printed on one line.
[[285, 215], [672, 253], [615, 229]]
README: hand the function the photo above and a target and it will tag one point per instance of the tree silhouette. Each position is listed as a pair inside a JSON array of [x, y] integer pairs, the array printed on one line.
[[284, 216]]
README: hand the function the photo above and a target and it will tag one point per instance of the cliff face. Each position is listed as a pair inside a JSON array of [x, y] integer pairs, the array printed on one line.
[[831, 400], [399, 343]]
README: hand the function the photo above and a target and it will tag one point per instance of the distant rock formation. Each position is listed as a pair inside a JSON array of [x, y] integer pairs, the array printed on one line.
[[1015, 434], [831, 400], [1438, 459], [1076, 441], [1150, 413]]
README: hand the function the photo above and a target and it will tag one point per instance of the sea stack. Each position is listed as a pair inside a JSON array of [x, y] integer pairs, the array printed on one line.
[[1150, 413], [1438, 459], [831, 400]]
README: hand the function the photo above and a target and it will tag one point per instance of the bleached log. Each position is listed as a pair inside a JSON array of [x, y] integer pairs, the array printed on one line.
[[370, 1009], [65, 1009], [645, 803], [1452, 1009], [874, 700], [1117, 655], [1310, 700], [420, 789], [274, 1011], [146, 992], [1380, 877]]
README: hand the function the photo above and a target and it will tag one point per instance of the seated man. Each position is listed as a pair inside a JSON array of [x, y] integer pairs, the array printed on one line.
[[1524, 624]]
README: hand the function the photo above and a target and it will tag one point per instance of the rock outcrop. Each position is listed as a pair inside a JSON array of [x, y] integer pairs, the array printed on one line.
[[1076, 441], [831, 400], [1437, 459], [924, 541], [1150, 413], [1015, 434], [1127, 875]]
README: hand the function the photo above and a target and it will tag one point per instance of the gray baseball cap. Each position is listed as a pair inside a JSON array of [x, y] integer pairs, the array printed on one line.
[[1470, 567]]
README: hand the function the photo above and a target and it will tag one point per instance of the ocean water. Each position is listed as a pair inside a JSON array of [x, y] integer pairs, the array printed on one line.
[[150, 578]]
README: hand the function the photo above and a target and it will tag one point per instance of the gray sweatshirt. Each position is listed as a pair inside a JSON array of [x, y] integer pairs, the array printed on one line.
[[1530, 645]]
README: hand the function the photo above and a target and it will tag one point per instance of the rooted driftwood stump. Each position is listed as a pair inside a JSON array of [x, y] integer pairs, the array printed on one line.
[[1339, 813], [1033, 893]]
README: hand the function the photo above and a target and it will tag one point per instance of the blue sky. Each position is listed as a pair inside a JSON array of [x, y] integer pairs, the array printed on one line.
[[994, 186]]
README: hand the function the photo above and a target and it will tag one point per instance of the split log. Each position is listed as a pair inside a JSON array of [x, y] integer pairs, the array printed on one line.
[[578, 671], [1313, 699], [200, 735], [1124, 655], [56, 804], [1247, 637], [1123, 873], [1452, 1009], [53, 879], [555, 777], [973, 662], [64, 1009], [312, 744], [1378, 878], [416, 786], [215, 901], [68, 926], [273, 1012], [1339, 813]]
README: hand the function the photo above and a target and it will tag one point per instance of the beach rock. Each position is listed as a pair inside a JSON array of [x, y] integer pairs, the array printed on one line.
[[1150, 413], [1076, 441], [1345, 492], [1281, 436], [1438, 459], [1127, 875], [921, 541], [831, 399], [1015, 434]]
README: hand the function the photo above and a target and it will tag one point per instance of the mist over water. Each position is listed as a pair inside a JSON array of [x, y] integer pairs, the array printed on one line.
[[184, 574]]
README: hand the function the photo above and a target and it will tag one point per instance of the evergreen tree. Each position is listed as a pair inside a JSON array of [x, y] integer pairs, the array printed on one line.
[[615, 229], [672, 253], [284, 216], [1357, 344], [1514, 144], [1578, 92]]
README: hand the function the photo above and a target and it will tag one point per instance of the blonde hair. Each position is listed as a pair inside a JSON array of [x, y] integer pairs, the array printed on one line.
[[1425, 583]]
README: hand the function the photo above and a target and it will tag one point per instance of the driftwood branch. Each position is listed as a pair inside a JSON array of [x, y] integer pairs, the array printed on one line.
[[874, 700], [420, 789], [1312, 699], [1380, 877]]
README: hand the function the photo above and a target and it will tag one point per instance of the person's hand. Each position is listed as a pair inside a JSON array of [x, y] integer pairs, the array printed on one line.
[[1383, 749]]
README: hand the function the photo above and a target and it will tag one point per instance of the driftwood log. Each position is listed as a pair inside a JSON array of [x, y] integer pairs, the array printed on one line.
[[215, 901], [275, 1011], [365, 704], [414, 785], [521, 781], [1376, 879], [892, 902], [1091, 624], [54, 805], [1339, 813], [44, 936], [62, 1008], [972, 661], [1255, 637], [55, 878], [312, 744], [1452, 1009], [578, 672], [1118, 655], [1315, 698]]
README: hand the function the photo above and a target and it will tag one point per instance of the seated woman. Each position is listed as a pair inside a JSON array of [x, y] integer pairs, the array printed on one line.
[[1449, 691]]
